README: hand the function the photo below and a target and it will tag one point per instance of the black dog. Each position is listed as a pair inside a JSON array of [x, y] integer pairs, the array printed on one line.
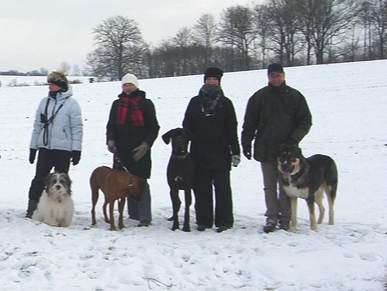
[[180, 173], [308, 178]]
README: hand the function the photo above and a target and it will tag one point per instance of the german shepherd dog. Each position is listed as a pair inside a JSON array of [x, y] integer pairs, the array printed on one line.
[[308, 178]]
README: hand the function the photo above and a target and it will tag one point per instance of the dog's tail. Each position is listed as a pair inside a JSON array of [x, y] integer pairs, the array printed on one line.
[[332, 179]]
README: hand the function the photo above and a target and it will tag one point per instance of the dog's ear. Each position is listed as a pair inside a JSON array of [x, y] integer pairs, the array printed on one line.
[[167, 136], [47, 181], [69, 182]]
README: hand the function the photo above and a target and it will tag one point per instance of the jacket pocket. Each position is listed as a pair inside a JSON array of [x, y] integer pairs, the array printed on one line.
[[66, 134]]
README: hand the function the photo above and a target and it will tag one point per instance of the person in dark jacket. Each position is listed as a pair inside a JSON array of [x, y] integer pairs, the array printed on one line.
[[275, 115], [210, 118], [56, 136], [130, 133]]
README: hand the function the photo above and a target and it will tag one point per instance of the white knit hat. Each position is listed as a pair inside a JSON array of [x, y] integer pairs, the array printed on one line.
[[130, 78]]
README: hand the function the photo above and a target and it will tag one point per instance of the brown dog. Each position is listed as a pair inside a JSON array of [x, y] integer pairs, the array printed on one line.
[[116, 185]]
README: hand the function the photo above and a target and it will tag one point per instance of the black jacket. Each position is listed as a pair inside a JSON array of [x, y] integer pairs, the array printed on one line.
[[275, 115], [215, 137], [128, 137]]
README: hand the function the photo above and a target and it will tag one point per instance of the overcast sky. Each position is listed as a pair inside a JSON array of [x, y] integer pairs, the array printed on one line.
[[45, 33]]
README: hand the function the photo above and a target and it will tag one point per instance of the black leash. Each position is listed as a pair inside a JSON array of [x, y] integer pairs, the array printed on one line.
[[121, 164], [46, 122], [125, 168]]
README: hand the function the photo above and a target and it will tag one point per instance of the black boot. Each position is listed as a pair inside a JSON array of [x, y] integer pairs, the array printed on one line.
[[32, 204], [270, 225]]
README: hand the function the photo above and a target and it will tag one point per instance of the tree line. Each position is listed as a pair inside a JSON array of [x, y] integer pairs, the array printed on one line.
[[292, 32]]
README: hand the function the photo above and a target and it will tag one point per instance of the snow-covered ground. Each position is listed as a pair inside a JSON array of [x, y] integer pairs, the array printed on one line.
[[349, 105]]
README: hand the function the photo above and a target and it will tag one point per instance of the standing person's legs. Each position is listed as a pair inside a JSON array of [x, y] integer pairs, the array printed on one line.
[[270, 182], [133, 209], [61, 161], [223, 197], [44, 165], [285, 209], [203, 199], [144, 208]]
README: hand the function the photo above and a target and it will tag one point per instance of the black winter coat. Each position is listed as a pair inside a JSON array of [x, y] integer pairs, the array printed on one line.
[[275, 115], [127, 137], [215, 137]]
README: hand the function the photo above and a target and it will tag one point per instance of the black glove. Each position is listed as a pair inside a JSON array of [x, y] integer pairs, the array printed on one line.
[[32, 156], [247, 153], [75, 157]]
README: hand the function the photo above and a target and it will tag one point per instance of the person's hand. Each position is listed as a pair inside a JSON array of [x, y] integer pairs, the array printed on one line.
[[112, 146], [32, 156], [235, 160], [247, 153], [140, 151], [75, 157]]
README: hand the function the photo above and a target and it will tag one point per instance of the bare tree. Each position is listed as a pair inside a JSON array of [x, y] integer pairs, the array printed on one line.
[[327, 20], [205, 34], [378, 17], [120, 48], [262, 29], [285, 29], [236, 30]]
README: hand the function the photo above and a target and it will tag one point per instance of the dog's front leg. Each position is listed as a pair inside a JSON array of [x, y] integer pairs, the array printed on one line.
[[121, 206], [312, 217], [188, 201], [176, 207], [293, 219]]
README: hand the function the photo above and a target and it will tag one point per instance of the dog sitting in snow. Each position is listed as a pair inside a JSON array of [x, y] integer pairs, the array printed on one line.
[[55, 206], [308, 178]]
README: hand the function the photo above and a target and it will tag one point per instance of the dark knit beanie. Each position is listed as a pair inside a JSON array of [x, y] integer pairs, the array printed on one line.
[[59, 79], [275, 68], [213, 72]]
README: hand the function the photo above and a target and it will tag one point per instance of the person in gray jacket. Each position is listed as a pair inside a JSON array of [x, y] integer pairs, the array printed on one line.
[[57, 135]]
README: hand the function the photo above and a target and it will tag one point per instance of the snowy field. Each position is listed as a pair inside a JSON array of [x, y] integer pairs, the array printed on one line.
[[349, 105]]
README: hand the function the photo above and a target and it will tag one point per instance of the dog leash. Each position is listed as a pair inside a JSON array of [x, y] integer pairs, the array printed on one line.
[[121, 164]]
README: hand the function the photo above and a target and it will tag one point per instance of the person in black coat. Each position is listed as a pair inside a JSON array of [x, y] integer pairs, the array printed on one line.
[[210, 118], [130, 133]]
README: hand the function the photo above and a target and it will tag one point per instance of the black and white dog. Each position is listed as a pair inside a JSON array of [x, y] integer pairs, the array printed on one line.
[[55, 206], [308, 178]]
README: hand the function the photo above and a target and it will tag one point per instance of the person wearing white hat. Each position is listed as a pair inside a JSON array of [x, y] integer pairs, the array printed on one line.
[[130, 133]]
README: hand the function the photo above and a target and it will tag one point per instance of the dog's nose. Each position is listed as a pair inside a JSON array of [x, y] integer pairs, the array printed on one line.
[[57, 187]]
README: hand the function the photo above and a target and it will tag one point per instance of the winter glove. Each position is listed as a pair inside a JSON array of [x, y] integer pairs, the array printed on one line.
[[140, 151], [112, 146], [235, 160], [32, 156], [75, 157], [247, 153]]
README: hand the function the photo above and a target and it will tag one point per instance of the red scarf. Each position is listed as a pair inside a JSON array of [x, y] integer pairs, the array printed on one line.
[[129, 110]]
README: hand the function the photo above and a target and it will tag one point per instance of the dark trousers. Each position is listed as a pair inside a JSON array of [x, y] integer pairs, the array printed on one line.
[[48, 159], [203, 190], [277, 202]]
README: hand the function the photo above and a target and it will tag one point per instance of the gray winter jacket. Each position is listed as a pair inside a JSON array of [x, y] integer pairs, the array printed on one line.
[[64, 127]]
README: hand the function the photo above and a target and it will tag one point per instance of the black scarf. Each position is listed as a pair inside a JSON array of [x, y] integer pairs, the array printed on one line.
[[209, 96]]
